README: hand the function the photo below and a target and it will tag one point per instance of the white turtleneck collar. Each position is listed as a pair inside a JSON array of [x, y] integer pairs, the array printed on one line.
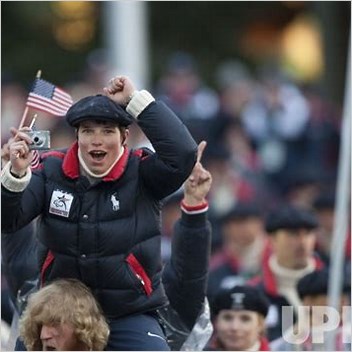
[[290, 274], [286, 279], [88, 172]]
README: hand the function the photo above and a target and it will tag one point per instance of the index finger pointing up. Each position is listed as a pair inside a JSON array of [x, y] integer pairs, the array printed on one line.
[[201, 147]]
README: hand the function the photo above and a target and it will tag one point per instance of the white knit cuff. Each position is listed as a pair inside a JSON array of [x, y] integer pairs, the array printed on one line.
[[12, 183], [140, 100]]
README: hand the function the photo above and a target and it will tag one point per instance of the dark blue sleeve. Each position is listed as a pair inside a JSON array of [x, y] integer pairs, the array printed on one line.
[[175, 150], [20, 208], [185, 275], [19, 257]]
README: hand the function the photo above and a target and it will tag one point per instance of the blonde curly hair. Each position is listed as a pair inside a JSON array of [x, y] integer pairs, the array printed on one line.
[[64, 301]]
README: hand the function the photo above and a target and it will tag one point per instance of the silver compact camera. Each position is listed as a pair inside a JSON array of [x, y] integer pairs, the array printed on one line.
[[41, 140]]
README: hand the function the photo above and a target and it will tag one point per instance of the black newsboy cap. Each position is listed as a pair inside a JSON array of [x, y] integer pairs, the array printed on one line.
[[240, 298], [316, 283], [291, 218], [97, 107]]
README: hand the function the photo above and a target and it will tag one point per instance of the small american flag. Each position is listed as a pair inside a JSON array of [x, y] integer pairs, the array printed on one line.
[[36, 156], [45, 96], [36, 160]]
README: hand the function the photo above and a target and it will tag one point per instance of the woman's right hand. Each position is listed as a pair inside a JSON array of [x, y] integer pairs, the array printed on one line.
[[19, 152]]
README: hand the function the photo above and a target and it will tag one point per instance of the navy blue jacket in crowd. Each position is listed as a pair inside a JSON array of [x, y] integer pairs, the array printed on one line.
[[19, 258], [107, 234], [185, 276]]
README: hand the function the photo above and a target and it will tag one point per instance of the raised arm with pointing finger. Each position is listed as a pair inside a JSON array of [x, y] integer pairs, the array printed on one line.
[[99, 208], [185, 275]]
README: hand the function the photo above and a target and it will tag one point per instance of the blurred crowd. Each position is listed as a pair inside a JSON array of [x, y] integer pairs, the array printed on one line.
[[272, 144]]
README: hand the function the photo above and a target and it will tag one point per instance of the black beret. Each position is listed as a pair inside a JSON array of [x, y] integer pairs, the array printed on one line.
[[316, 283], [240, 298], [240, 211], [291, 218], [97, 107]]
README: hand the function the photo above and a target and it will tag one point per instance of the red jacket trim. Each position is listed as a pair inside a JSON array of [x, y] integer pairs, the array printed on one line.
[[140, 153], [119, 167], [48, 260], [264, 344], [70, 164], [140, 273], [55, 153]]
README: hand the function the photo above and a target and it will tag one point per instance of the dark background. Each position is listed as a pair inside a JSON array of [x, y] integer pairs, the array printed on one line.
[[210, 30]]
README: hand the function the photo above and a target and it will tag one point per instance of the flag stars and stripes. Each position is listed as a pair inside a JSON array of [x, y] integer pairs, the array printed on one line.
[[45, 96]]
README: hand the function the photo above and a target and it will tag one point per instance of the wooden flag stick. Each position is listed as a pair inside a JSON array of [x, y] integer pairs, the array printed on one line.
[[39, 73]]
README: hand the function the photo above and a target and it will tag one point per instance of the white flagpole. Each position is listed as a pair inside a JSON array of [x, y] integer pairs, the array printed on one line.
[[343, 192], [33, 121]]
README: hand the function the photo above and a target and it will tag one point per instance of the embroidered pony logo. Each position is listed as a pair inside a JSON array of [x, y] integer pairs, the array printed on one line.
[[115, 202]]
